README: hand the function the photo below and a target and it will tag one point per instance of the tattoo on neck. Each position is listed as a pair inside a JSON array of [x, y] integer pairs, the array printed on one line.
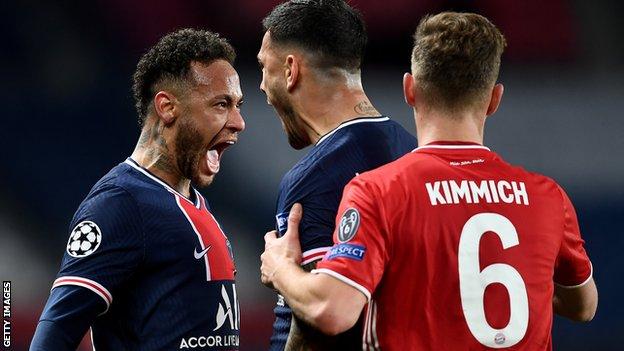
[[150, 133], [164, 163], [365, 108], [156, 148], [144, 138]]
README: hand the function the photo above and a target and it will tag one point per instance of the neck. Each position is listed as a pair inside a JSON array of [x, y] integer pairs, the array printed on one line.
[[323, 105], [153, 153], [457, 126]]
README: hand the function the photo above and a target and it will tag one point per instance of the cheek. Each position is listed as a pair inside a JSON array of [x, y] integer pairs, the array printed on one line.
[[214, 124], [214, 118], [269, 81], [217, 124], [208, 125]]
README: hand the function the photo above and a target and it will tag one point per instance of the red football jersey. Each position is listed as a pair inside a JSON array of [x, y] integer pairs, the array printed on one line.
[[456, 250]]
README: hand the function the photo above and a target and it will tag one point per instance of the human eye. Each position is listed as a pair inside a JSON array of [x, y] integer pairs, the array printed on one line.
[[221, 105]]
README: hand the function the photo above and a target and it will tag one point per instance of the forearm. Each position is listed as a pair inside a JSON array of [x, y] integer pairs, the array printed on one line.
[[50, 336], [302, 292], [67, 316], [578, 303], [320, 300]]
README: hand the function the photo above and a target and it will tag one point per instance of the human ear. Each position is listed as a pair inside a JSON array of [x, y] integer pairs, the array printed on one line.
[[165, 105], [495, 99], [408, 89], [292, 72]]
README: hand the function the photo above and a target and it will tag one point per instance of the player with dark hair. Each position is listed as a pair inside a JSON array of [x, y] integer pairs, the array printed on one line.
[[449, 247], [311, 57], [147, 266]]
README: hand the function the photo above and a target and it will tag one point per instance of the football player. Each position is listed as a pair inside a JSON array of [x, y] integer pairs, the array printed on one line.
[[449, 247], [147, 266], [311, 57]]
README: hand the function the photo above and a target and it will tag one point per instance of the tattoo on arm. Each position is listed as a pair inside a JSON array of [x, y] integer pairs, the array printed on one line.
[[365, 108], [298, 337], [303, 337]]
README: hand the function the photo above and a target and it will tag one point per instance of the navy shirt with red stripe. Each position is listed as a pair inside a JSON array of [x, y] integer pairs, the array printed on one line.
[[145, 268], [317, 180]]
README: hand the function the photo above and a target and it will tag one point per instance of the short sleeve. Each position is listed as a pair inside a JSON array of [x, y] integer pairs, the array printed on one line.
[[573, 267], [105, 245], [316, 229], [361, 242], [320, 197]]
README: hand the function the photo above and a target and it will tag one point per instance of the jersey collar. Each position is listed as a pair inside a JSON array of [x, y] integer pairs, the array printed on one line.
[[452, 145], [351, 122], [135, 165]]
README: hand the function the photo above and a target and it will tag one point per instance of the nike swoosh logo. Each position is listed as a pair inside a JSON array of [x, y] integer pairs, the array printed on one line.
[[201, 254]]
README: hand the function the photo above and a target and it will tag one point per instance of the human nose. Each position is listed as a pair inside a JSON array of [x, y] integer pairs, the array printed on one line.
[[236, 121]]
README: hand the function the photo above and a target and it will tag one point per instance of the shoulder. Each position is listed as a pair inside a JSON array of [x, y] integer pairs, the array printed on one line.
[[112, 197], [398, 168], [306, 175], [363, 144], [542, 184], [391, 183], [367, 133], [110, 215]]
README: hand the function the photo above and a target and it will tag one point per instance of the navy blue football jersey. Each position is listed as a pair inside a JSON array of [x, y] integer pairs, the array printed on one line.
[[317, 181], [158, 264]]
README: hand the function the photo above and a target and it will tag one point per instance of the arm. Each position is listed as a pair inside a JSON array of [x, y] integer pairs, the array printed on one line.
[[69, 312], [318, 299], [575, 296], [83, 288], [576, 303]]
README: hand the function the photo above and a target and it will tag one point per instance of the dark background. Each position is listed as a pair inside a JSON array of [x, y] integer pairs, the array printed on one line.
[[68, 117]]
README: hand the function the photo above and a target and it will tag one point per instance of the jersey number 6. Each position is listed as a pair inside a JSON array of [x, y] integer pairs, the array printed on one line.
[[473, 282]]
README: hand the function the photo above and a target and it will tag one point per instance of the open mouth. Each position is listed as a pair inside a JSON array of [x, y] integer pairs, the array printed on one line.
[[213, 155]]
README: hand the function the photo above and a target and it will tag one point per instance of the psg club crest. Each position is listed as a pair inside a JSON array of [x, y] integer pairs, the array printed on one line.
[[349, 224], [84, 239]]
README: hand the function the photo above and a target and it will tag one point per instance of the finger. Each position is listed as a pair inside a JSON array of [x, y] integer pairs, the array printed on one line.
[[272, 235], [294, 218]]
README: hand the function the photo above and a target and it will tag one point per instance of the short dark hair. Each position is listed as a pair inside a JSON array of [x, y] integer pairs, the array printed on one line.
[[169, 61], [456, 57], [330, 29]]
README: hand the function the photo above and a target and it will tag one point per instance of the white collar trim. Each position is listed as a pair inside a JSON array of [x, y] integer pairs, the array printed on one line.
[[135, 165], [457, 147], [351, 122]]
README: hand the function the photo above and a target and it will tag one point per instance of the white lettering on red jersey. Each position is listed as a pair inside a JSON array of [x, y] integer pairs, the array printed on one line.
[[456, 250]]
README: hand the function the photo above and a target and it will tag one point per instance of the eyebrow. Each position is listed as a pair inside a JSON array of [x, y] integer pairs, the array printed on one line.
[[227, 97]]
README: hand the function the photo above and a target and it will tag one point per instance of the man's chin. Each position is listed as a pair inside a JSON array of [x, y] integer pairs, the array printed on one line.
[[298, 143], [204, 180]]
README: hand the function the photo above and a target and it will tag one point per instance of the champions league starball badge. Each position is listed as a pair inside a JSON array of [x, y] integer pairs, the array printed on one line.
[[349, 224], [84, 239]]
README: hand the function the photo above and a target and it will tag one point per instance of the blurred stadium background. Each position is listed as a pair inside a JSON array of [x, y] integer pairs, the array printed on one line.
[[66, 76]]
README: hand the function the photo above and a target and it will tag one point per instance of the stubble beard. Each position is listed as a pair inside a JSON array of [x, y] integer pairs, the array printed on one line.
[[298, 137], [189, 150]]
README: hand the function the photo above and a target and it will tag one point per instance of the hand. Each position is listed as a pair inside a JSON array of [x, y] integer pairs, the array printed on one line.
[[281, 252]]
